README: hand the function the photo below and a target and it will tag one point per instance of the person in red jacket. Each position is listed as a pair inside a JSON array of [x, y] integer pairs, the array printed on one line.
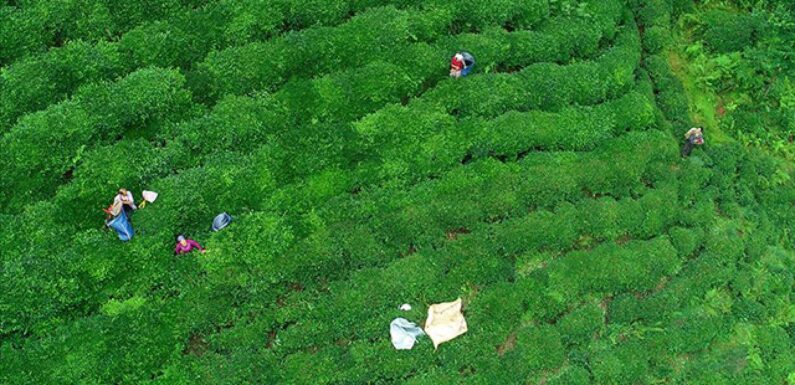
[[457, 65], [185, 246]]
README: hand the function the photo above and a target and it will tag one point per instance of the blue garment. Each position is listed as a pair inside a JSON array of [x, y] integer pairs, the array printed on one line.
[[122, 225], [469, 63]]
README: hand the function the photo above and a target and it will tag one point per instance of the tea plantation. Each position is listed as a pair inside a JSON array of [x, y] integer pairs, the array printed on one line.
[[546, 189]]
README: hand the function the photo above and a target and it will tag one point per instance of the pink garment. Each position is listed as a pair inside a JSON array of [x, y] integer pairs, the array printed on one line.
[[190, 244]]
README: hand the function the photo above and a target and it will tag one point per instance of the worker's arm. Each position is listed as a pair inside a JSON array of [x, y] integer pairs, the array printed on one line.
[[131, 200], [195, 244]]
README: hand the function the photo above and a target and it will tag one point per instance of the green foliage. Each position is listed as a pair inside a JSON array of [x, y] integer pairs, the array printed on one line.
[[579, 327], [685, 240], [35, 82], [33, 27], [42, 148], [726, 31], [545, 189], [539, 347]]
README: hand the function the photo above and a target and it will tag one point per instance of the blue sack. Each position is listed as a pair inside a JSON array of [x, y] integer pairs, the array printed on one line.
[[469, 63], [220, 221], [122, 225]]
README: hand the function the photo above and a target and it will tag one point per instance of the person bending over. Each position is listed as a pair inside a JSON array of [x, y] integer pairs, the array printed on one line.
[[457, 65], [694, 137], [185, 246]]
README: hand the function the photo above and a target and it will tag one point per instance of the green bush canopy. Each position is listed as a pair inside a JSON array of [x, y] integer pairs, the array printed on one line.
[[546, 189]]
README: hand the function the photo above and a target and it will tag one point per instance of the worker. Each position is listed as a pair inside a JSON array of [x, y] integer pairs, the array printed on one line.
[[125, 199], [694, 137], [185, 246], [457, 65], [122, 201]]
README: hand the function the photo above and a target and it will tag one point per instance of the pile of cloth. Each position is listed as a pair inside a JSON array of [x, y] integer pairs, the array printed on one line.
[[444, 323]]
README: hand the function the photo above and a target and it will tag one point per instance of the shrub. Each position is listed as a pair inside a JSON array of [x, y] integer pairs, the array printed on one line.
[[638, 266], [32, 28], [102, 171], [571, 375], [373, 34], [33, 83], [39, 150], [623, 364], [655, 39], [539, 347], [686, 241], [579, 326], [725, 31], [145, 100], [624, 309]]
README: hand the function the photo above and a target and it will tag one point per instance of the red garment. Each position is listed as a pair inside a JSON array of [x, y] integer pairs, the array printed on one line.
[[191, 244], [456, 64]]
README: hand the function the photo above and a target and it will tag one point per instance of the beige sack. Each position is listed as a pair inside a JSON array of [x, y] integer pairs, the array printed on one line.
[[445, 322]]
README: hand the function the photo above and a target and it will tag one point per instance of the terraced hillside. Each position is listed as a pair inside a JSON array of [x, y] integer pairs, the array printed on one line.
[[546, 189]]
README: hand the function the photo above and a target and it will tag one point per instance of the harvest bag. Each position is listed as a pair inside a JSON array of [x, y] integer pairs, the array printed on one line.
[[445, 322], [221, 220], [122, 225], [404, 333], [469, 62]]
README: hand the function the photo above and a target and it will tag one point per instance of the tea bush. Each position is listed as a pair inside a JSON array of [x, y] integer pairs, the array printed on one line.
[[545, 189]]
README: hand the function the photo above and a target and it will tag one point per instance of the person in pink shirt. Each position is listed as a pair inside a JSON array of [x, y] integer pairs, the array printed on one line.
[[185, 246]]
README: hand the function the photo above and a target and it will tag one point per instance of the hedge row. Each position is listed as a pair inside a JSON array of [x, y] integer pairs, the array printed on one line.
[[537, 348], [184, 220], [151, 221], [570, 129], [367, 37], [282, 117], [264, 65], [415, 59], [696, 319], [101, 347], [425, 121], [711, 304], [462, 198], [202, 192], [39, 152], [485, 257], [32, 27], [431, 142], [627, 362], [428, 111], [656, 18], [440, 274], [33, 82], [475, 267]]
